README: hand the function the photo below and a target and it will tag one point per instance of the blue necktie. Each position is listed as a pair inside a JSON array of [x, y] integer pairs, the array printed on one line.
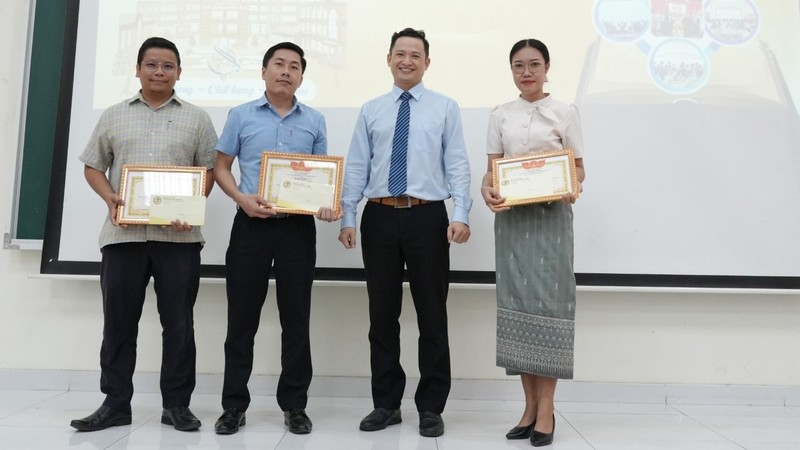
[[397, 166]]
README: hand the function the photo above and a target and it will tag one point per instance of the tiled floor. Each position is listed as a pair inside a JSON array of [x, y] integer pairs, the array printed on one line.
[[31, 419]]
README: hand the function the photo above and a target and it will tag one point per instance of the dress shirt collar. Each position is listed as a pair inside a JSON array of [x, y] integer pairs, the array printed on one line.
[[415, 92], [263, 102], [139, 98]]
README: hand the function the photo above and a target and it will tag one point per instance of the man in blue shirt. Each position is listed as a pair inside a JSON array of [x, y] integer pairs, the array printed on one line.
[[263, 240], [409, 228]]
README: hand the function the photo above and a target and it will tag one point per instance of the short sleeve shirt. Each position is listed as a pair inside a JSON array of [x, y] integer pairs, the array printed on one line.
[[521, 127], [176, 133], [256, 127]]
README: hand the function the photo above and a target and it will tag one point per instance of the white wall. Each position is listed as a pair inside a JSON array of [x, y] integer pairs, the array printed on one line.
[[734, 338]]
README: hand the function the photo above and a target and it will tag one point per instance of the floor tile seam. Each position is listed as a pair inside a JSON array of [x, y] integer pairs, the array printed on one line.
[[752, 415], [710, 428], [31, 406], [671, 441], [128, 433], [577, 431], [283, 437], [680, 414], [118, 440], [623, 413], [58, 393]]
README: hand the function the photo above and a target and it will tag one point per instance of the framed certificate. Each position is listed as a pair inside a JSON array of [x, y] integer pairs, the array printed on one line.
[[297, 183], [141, 183], [535, 178]]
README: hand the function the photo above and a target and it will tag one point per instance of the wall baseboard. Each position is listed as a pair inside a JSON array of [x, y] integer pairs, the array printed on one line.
[[462, 389]]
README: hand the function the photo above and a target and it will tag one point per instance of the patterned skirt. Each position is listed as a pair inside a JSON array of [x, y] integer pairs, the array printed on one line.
[[535, 290]]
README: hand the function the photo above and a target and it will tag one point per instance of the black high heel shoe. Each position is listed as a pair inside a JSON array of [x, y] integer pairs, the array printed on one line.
[[520, 432], [539, 439]]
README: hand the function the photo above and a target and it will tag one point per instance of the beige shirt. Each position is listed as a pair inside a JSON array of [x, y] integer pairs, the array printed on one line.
[[176, 133], [522, 127]]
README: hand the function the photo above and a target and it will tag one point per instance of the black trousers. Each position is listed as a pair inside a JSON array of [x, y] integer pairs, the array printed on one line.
[[288, 247], [124, 274], [417, 238]]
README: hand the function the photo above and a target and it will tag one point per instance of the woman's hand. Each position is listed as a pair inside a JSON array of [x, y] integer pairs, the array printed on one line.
[[493, 199], [572, 198]]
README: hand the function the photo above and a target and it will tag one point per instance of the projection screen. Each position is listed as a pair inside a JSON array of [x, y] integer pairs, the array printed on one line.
[[692, 137]]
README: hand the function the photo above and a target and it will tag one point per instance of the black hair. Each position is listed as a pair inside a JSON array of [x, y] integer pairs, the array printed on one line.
[[285, 46], [157, 42], [412, 33], [535, 43]]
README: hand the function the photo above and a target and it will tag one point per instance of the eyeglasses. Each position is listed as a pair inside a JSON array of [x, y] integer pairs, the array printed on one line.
[[152, 66], [520, 68]]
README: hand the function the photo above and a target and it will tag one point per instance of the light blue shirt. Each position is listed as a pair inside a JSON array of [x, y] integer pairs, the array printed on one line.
[[255, 127], [438, 166]]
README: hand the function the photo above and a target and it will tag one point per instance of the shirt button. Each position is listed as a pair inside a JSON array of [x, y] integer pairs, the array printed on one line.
[[524, 125], [524, 141]]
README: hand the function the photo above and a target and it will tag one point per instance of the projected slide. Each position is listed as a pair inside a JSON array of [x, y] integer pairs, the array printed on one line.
[[346, 42], [688, 108]]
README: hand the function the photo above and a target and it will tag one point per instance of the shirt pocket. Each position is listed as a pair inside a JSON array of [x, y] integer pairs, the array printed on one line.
[[182, 142], [426, 138]]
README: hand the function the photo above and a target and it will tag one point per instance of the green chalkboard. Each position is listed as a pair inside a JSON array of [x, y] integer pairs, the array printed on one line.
[[42, 109]]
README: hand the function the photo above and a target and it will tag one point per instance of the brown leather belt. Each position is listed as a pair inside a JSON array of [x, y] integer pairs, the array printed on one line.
[[403, 201]]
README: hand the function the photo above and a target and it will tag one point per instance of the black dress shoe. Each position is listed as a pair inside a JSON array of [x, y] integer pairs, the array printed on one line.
[[520, 432], [101, 419], [430, 424], [180, 417], [379, 419], [539, 439], [230, 421], [297, 421]]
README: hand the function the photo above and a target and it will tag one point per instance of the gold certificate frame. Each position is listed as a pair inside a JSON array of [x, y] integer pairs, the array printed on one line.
[[296, 183], [535, 178], [140, 182]]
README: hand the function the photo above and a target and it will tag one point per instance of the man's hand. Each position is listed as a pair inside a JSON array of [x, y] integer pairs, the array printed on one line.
[[113, 201], [328, 214], [348, 237], [457, 232], [177, 225], [255, 206]]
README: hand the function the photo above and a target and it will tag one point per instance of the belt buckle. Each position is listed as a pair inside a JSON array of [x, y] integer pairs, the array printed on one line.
[[400, 205]]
